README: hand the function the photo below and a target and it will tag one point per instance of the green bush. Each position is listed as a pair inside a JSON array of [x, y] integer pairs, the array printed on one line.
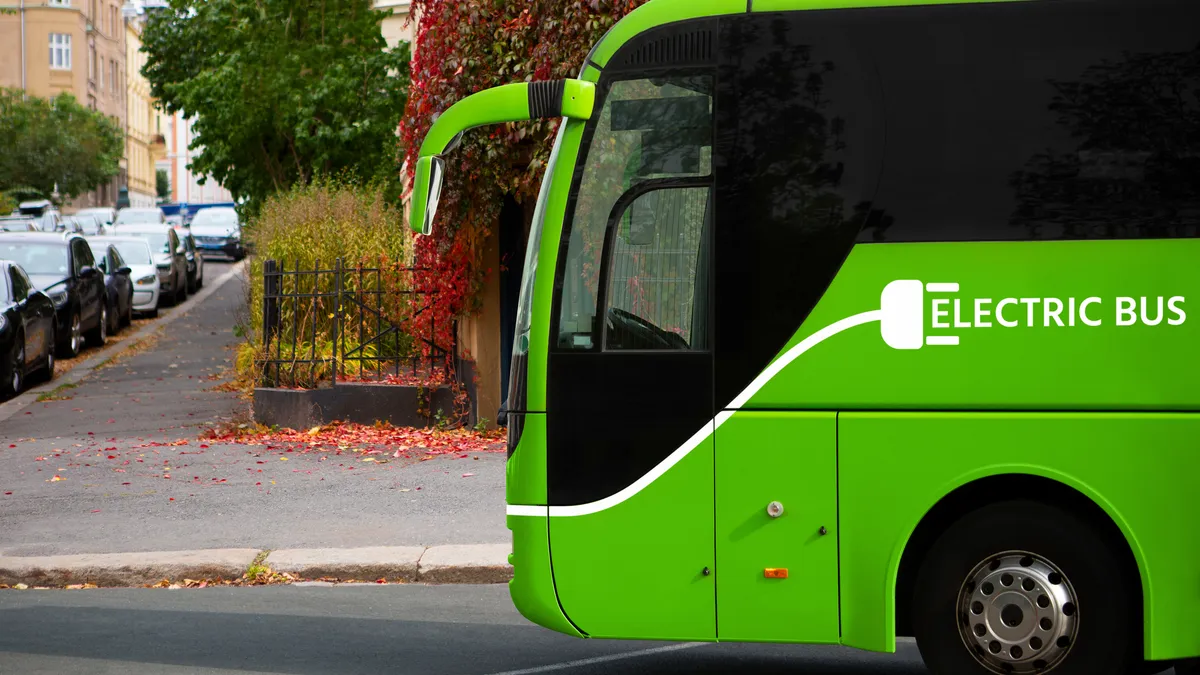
[[312, 227]]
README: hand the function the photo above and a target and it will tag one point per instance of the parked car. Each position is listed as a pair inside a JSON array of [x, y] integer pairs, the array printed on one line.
[[137, 256], [106, 215], [195, 261], [44, 212], [140, 215], [91, 225], [69, 224], [170, 257], [26, 329], [218, 233], [118, 287], [18, 224], [61, 266]]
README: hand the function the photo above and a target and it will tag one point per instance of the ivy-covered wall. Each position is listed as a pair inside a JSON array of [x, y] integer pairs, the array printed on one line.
[[464, 46]]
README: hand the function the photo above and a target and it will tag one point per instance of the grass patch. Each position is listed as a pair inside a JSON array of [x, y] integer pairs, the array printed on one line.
[[58, 393]]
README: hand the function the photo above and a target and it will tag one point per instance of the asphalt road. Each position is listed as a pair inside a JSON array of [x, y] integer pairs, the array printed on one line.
[[123, 487], [399, 630]]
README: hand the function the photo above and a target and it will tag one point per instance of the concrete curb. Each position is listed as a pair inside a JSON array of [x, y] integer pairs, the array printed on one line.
[[126, 569], [97, 359], [476, 564]]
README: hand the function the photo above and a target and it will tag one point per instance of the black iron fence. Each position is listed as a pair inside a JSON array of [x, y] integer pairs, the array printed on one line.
[[351, 324]]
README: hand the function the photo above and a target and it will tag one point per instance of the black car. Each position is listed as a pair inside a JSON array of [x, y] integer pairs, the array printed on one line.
[[26, 330], [195, 261], [117, 285], [61, 266]]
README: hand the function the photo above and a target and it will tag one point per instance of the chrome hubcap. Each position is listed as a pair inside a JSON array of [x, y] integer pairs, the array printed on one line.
[[76, 331], [1018, 614], [17, 369], [103, 322]]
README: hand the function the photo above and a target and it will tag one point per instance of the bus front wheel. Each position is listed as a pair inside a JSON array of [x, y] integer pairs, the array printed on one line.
[[1024, 587]]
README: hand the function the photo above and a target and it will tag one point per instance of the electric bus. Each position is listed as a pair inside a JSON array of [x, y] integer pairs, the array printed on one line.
[[849, 319]]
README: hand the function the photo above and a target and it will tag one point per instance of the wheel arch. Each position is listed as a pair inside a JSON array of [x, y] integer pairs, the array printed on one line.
[[1034, 483]]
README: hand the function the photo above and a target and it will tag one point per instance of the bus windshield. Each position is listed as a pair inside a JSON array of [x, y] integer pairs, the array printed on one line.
[[529, 276]]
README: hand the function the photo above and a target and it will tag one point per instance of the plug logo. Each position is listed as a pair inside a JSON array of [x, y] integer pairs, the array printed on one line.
[[902, 315]]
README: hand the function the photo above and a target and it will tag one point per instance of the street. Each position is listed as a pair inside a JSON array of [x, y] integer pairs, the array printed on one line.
[[133, 476], [402, 630]]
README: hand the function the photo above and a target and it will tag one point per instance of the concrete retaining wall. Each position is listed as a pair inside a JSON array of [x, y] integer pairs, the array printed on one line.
[[353, 402]]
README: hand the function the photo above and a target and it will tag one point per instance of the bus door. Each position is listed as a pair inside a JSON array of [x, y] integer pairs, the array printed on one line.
[[629, 390], [800, 139]]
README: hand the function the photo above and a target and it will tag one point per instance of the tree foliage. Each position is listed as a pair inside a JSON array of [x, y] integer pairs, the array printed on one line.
[[49, 143], [162, 184], [466, 46], [280, 91]]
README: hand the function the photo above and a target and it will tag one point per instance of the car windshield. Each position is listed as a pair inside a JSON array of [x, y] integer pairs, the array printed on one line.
[[14, 224], [134, 252], [36, 257], [90, 225], [158, 241], [139, 216], [214, 219]]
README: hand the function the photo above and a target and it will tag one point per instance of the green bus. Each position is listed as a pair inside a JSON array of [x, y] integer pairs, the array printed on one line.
[[849, 319]]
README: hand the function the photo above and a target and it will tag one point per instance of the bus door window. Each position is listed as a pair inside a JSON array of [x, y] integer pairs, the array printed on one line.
[[649, 129], [657, 271]]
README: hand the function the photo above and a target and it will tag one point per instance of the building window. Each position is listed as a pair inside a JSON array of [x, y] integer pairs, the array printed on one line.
[[60, 51], [60, 3], [101, 87], [92, 62]]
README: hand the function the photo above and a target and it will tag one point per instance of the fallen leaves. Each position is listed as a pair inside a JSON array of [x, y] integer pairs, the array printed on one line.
[[399, 442]]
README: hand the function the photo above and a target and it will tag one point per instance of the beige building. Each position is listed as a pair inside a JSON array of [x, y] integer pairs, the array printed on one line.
[[144, 141], [50, 47], [396, 28]]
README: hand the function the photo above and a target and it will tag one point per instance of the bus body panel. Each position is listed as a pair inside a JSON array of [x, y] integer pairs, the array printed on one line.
[[1138, 467], [790, 458], [643, 568], [532, 585], [1043, 366]]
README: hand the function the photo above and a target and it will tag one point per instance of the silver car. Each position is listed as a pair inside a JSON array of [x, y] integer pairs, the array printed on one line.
[[139, 258], [170, 257]]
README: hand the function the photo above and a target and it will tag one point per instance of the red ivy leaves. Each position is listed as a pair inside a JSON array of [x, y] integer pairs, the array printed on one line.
[[465, 46]]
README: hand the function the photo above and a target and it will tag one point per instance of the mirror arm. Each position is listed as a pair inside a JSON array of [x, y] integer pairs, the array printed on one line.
[[572, 99]]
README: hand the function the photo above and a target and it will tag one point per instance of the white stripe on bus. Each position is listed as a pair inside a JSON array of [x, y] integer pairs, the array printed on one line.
[[706, 431]]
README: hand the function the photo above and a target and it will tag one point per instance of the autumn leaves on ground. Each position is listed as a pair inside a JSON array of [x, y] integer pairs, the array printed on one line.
[[156, 452]]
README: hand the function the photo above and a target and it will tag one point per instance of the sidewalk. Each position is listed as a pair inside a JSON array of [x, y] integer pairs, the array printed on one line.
[[117, 468]]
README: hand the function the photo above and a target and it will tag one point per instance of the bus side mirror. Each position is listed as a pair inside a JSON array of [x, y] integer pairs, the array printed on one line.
[[427, 192]]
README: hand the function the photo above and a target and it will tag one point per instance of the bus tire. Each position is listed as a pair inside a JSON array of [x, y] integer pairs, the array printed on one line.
[[1017, 585]]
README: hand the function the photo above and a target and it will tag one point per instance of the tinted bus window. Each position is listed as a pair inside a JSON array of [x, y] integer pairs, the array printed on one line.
[[1071, 119]]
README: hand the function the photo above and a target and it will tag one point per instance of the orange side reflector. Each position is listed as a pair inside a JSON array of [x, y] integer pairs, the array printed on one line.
[[775, 573]]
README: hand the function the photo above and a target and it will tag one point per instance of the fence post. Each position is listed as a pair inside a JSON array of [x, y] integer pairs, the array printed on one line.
[[270, 317], [337, 318]]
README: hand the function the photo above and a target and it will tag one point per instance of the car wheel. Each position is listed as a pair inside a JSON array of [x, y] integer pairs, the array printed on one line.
[[16, 368], [97, 336], [1024, 587], [114, 320], [74, 340], [48, 363]]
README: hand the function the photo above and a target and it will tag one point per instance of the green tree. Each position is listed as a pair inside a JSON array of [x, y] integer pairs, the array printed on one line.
[[162, 183], [281, 91], [55, 144]]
